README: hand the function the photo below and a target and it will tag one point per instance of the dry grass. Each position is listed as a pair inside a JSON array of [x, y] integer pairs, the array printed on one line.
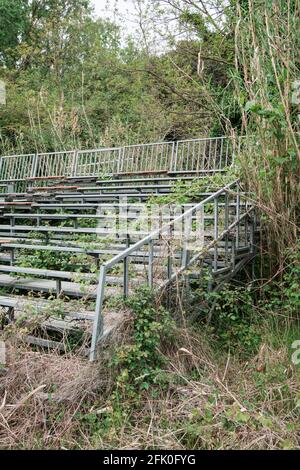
[[35, 391], [202, 401]]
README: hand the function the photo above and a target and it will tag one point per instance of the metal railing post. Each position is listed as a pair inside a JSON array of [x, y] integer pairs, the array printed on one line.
[[251, 237], [98, 320], [216, 232], [175, 158], [226, 222], [187, 230], [150, 263], [169, 260], [119, 160], [172, 157], [238, 209], [74, 163], [126, 270], [34, 166], [1, 164]]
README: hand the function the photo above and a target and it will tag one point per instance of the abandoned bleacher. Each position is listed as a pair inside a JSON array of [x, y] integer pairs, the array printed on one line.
[[80, 230]]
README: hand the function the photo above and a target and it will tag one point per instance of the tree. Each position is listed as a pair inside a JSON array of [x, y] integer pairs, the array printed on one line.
[[13, 24]]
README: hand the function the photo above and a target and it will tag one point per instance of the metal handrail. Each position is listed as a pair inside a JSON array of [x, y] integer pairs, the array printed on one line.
[[157, 234], [120, 256]]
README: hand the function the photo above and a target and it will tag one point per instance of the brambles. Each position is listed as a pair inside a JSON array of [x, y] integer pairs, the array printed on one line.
[[140, 361]]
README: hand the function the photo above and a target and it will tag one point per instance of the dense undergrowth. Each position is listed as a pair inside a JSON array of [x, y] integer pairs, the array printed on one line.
[[230, 378], [161, 383]]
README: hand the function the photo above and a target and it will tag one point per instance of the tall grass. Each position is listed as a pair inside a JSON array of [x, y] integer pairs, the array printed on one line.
[[266, 81]]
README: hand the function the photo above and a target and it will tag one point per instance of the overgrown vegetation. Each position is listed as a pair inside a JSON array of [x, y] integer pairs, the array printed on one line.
[[225, 380], [162, 386]]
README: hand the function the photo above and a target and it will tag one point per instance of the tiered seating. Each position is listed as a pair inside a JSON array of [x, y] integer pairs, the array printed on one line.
[[65, 255], [53, 238]]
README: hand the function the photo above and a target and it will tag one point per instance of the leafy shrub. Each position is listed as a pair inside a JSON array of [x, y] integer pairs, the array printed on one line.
[[235, 321], [284, 294], [140, 362]]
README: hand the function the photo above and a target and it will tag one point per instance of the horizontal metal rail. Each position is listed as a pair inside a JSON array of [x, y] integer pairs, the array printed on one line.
[[224, 224], [193, 156]]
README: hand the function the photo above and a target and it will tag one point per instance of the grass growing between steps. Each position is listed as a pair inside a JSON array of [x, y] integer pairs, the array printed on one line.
[[231, 384]]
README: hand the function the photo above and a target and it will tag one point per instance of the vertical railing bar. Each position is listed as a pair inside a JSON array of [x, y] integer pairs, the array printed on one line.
[[119, 160], [22, 168], [160, 156], [163, 155], [98, 320], [150, 263], [169, 260], [144, 159], [187, 159], [172, 163], [124, 161], [148, 160], [198, 156], [126, 270], [176, 157], [74, 163], [156, 153], [133, 161], [34, 166], [251, 236], [238, 216], [227, 151], [1, 165], [170, 158], [216, 232], [209, 154], [9, 168], [221, 155], [205, 163], [96, 162], [216, 154], [186, 233], [246, 224], [226, 223]]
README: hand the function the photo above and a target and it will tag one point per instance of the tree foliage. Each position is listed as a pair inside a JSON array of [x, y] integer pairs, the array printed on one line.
[[222, 67]]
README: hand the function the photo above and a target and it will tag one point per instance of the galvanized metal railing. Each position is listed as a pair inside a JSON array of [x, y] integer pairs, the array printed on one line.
[[220, 226], [96, 162], [53, 164], [147, 157], [185, 156], [208, 154], [16, 167]]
